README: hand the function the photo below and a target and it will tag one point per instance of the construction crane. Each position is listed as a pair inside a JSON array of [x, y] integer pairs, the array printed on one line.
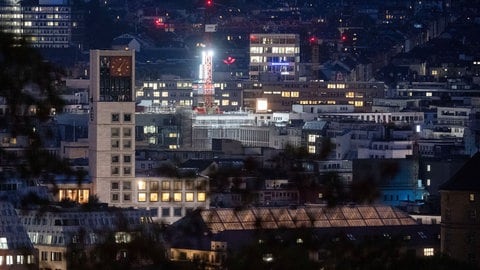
[[204, 89]]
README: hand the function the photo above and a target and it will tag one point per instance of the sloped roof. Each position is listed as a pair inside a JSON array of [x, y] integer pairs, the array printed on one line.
[[467, 178], [224, 219]]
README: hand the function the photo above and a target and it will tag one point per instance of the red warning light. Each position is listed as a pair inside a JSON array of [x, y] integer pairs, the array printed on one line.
[[229, 60], [344, 37], [209, 3], [312, 39]]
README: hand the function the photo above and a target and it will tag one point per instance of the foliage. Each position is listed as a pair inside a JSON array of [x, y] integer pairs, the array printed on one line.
[[29, 88]]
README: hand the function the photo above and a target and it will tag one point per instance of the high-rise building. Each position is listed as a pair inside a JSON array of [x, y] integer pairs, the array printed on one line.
[[274, 57], [43, 23], [112, 122]]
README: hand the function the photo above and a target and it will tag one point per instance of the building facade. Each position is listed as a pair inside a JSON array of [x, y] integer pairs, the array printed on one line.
[[274, 57]]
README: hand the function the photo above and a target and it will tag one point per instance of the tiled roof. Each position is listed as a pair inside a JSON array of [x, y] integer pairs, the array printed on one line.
[[467, 178]]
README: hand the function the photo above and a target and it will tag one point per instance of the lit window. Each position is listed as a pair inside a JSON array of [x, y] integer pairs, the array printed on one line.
[[311, 149], [9, 259], [201, 196], [349, 94], [177, 196], [165, 196], [471, 197], [189, 196], [142, 197], [428, 252], [312, 138], [434, 72], [428, 168], [172, 135], [428, 94], [428, 182], [164, 94], [154, 197], [3, 243], [358, 103], [142, 185]]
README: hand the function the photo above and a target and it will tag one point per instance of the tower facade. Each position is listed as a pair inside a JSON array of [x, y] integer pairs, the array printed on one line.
[[112, 125]]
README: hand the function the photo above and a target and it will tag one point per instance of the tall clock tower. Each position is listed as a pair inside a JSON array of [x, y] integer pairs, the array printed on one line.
[[111, 129]]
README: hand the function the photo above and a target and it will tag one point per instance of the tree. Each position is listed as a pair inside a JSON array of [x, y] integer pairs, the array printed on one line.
[[29, 89]]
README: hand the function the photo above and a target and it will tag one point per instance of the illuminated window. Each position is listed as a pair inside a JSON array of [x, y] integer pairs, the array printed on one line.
[[340, 85], [165, 196], [311, 149], [471, 197], [428, 252], [164, 94], [434, 72], [142, 197], [331, 102], [142, 185], [234, 103], [201, 196], [428, 94], [428, 168], [225, 102], [172, 135], [154, 197], [428, 182], [349, 94], [295, 94], [358, 103], [172, 146], [189, 196], [312, 138], [156, 94], [9, 260], [177, 196], [331, 86], [285, 94]]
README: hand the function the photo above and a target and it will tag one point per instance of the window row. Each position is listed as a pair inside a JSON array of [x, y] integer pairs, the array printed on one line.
[[127, 117], [163, 185], [115, 132], [126, 143], [127, 171], [16, 259], [54, 256], [162, 196]]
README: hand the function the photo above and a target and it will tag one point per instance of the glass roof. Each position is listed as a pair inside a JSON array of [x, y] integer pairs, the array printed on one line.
[[309, 216]]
